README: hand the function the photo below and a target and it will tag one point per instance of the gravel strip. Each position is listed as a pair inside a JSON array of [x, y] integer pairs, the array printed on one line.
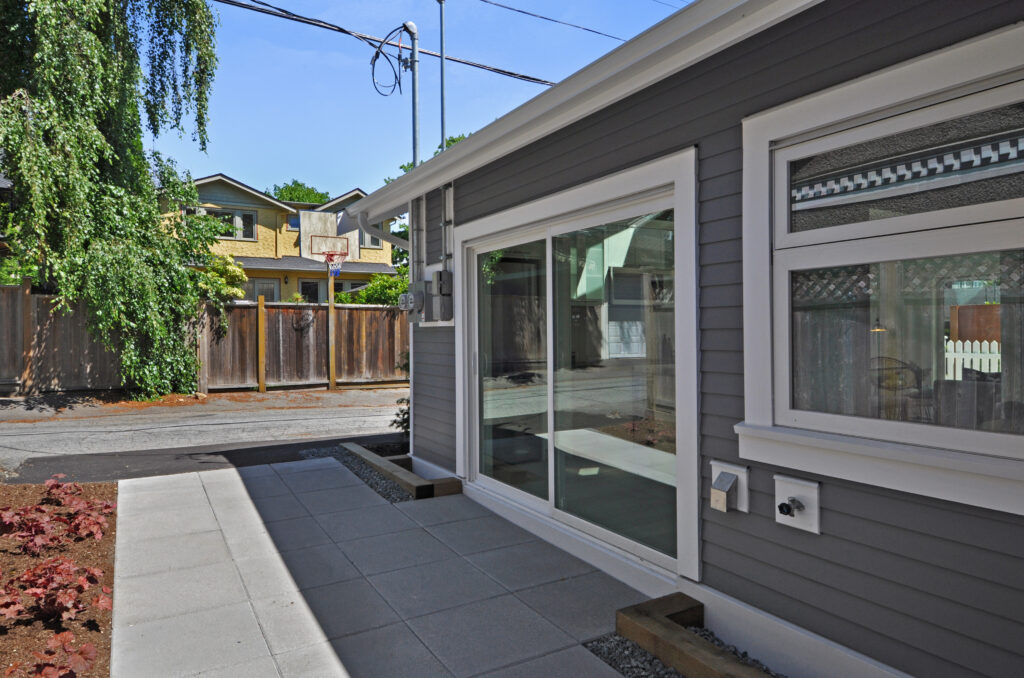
[[633, 661], [378, 482]]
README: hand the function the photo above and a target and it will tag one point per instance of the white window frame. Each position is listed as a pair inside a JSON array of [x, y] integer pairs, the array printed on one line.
[[974, 467], [237, 223], [669, 182], [366, 237]]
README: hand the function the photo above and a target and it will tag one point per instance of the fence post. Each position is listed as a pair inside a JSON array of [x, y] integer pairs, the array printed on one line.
[[332, 384], [203, 351], [27, 333], [261, 344]]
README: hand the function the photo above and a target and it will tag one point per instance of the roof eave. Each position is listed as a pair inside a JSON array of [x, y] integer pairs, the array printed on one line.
[[681, 40], [243, 187]]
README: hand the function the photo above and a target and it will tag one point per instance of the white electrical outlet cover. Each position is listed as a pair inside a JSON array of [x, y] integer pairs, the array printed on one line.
[[742, 488], [806, 492]]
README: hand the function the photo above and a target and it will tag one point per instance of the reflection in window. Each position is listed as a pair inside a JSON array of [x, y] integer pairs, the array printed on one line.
[[935, 341], [512, 297], [975, 159], [614, 339]]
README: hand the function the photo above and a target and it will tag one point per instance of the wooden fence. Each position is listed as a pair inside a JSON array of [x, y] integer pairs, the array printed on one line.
[[42, 350], [982, 356]]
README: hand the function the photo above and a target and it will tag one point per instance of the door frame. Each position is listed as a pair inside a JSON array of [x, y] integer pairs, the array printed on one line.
[[659, 184]]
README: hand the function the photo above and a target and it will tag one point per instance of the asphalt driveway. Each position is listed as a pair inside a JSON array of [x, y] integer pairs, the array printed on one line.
[[57, 426]]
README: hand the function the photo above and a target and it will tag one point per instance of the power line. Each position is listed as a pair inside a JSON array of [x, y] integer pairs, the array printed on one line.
[[556, 21], [667, 4], [373, 41]]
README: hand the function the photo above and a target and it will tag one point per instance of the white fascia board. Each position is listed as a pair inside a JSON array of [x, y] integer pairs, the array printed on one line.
[[348, 223], [242, 187], [683, 39]]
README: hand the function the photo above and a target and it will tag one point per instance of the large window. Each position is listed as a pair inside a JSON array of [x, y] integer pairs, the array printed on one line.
[[238, 224], [884, 299]]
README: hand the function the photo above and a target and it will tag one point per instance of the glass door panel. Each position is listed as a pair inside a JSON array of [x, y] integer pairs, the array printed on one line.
[[512, 298], [614, 382]]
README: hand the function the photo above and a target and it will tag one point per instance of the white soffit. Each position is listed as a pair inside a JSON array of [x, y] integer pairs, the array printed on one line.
[[683, 39]]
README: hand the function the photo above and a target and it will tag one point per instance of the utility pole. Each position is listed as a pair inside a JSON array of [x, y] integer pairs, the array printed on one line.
[[444, 136], [414, 62]]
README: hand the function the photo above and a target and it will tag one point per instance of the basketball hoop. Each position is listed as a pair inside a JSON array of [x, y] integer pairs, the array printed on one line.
[[334, 261]]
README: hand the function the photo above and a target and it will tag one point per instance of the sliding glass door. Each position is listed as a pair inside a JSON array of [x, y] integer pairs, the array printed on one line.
[[610, 401]]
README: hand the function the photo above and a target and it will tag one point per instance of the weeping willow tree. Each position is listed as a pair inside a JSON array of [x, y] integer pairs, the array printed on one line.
[[79, 82]]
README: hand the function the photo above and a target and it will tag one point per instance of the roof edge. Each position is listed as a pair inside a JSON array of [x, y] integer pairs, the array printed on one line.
[[220, 176], [679, 41]]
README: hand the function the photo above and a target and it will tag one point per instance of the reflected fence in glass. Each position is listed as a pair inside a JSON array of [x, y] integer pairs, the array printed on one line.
[[614, 384], [512, 304], [936, 341]]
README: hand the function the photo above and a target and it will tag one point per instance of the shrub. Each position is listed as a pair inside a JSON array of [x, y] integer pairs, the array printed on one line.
[[57, 585], [72, 661]]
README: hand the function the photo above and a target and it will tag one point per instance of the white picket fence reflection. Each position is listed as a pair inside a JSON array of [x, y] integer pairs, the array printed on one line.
[[975, 355]]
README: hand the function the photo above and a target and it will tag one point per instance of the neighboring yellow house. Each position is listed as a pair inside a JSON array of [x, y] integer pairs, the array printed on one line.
[[263, 235]]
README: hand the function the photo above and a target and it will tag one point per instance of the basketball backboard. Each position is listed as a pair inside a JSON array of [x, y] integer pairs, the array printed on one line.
[[317, 235]]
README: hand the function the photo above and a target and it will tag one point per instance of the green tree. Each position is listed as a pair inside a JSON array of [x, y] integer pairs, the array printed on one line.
[[382, 289], [296, 191], [97, 218]]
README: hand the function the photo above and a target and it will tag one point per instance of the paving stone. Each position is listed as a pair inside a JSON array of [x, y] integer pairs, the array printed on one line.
[[480, 534], [265, 486], [315, 661], [584, 606], [530, 564], [246, 472], [349, 607], [297, 533], [386, 552], [369, 521], [286, 467], [391, 651], [148, 556], [159, 483], [442, 509], [431, 587], [162, 500], [203, 641], [151, 524], [320, 479], [288, 623], [487, 635], [249, 540], [264, 667], [266, 576], [340, 499], [279, 507], [319, 565], [572, 662], [176, 592]]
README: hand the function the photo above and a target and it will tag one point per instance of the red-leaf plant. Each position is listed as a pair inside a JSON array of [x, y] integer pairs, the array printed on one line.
[[35, 527], [73, 662], [87, 518], [57, 585], [10, 601]]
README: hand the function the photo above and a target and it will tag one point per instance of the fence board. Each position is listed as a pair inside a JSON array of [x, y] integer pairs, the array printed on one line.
[[11, 351], [65, 357], [233, 355]]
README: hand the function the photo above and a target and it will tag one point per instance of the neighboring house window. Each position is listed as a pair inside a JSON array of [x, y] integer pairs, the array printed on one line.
[[293, 222], [315, 291], [893, 265], [270, 288], [238, 224], [369, 241]]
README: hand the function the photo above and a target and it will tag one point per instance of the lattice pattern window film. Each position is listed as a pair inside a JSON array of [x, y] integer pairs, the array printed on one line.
[[971, 160]]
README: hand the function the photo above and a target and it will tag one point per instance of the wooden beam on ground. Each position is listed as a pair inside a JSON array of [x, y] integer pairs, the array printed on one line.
[[419, 488], [261, 344]]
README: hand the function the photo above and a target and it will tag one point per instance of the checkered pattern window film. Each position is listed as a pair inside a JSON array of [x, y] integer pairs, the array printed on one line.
[[968, 161]]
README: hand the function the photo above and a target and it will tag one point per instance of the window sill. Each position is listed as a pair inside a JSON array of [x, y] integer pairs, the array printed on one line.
[[227, 237], [976, 479]]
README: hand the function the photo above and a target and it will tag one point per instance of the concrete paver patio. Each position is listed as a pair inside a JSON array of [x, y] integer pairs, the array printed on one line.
[[299, 569]]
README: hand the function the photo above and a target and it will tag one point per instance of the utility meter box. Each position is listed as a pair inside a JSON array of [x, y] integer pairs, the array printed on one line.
[[418, 300]]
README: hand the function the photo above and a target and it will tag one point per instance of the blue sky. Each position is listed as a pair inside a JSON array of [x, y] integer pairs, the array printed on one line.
[[294, 101]]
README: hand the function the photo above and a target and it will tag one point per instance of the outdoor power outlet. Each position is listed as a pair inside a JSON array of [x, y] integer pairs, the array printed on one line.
[[731, 494], [796, 503]]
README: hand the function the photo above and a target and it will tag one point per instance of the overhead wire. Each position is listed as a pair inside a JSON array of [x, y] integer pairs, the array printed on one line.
[[374, 41], [547, 18]]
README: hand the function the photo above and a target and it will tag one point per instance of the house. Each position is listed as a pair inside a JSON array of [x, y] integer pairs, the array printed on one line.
[[267, 238], [705, 293]]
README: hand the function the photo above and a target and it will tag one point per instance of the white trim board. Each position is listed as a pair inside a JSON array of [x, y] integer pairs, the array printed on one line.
[[783, 646], [692, 34]]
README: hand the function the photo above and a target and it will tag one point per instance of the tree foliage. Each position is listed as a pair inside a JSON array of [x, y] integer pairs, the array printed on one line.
[[296, 191], [382, 289], [80, 81]]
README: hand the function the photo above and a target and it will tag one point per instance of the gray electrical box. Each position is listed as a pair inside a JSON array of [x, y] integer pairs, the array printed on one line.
[[418, 300], [442, 281]]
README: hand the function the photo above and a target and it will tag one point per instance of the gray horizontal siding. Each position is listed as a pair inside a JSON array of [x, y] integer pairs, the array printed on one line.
[[930, 587], [433, 393], [435, 244]]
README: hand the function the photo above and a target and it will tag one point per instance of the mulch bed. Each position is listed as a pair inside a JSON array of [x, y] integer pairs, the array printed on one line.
[[21, 637]]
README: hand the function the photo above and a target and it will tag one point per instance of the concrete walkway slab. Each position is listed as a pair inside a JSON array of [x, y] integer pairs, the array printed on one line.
[[258, 572]]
